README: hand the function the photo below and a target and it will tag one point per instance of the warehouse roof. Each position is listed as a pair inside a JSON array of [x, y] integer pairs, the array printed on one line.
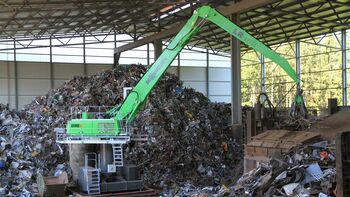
[[20, 18], [272, 22]]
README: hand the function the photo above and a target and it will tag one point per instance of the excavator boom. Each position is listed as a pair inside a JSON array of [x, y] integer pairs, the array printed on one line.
[[138, 95], [136, 98]]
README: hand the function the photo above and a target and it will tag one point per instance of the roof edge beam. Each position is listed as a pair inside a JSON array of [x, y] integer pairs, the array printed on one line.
[[233, 8]]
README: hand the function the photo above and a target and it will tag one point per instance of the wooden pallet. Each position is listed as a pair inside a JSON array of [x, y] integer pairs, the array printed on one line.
[[272, 143], [277, 141], [146, 193]]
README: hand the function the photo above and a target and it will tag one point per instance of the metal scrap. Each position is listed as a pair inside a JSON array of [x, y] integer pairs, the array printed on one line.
[[190, 137], [303, 173]]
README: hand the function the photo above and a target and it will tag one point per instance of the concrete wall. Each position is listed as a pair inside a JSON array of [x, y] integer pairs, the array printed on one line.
[[220, 84], [219, 81], [33, 79], [7, 87]]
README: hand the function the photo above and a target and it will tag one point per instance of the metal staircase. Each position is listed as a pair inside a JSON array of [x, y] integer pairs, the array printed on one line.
[[92, 174], [118, 155], [93, 182]]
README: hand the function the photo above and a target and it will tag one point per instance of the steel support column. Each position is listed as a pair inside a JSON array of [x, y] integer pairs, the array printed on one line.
[[178, 66], [157, 48], [344, 67], [236, 107], [207, 75], [84, 55], [263, 80], [15, 72], [51, 66], [148, 60], [115, 62], [115, 39], [297, 61], [8, 82]]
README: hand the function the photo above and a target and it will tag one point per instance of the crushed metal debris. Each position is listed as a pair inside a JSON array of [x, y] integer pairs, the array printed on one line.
[[190, 136], [307, 170], [304, 171]]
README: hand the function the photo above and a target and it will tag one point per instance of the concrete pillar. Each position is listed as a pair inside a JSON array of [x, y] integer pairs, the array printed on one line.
[[76, 156], [157, 48], [236, 107], [106, 157]]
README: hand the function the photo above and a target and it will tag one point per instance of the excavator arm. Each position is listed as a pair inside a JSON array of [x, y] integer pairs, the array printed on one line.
[[138, 95]]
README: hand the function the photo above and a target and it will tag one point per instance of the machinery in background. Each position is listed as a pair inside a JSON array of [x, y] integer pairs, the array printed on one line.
[[104, 170], [265, 116], [298, 109], [264, 113]]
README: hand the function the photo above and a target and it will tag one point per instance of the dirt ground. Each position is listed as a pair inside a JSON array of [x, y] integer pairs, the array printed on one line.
[[330, 126]]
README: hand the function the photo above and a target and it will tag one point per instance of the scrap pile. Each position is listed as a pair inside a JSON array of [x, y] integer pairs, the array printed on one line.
[[304, 171], [195, 143], [27, 148], [191, 136]]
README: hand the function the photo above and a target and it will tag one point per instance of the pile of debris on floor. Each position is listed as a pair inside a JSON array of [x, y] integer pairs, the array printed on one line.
[[191, 139], [304, 171], [194, 144], [27, 148]]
